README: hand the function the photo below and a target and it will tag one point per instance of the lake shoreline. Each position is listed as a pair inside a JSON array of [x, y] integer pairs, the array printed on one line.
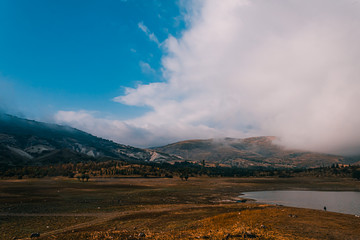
[[165, 209], [335, 201]]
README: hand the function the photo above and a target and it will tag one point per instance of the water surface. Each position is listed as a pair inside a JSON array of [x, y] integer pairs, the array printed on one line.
[[342, 202]]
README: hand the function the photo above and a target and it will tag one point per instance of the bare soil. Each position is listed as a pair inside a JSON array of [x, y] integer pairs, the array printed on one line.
[[158, 208]]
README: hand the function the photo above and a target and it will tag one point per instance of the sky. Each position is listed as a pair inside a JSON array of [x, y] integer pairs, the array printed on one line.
[[148, 73]]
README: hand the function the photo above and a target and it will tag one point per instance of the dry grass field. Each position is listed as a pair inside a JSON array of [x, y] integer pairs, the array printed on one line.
[[158, 208]]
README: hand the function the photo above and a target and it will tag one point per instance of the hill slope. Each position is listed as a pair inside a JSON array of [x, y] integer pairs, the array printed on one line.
[[25, 141], [256, 151], [28, 142]]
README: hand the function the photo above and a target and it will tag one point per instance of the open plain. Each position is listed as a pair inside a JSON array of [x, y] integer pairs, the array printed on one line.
[[166, 208]]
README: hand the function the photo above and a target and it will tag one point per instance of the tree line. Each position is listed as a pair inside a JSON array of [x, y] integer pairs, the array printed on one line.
[[184, 170]]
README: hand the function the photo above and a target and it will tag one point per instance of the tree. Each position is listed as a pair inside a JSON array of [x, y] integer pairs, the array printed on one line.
[[356, 174], [186, 177]]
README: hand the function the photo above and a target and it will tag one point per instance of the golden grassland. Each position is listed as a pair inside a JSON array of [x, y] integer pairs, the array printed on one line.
[[158, 208]]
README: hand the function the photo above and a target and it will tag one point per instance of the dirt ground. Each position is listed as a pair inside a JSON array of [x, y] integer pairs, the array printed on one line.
[[162, 208]]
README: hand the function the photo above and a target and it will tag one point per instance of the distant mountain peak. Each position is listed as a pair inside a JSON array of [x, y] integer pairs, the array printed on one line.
[[247, 152]]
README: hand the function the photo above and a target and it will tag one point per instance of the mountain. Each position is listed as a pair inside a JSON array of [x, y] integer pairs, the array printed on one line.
[[255, 151], [28, 142]]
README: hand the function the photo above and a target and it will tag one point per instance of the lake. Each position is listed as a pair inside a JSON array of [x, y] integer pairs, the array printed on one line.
[[342, 202]]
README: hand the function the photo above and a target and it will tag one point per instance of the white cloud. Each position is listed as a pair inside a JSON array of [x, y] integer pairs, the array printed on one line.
[[150, 34], [115, 130], [146, 68], [284, 68], [129, 132]]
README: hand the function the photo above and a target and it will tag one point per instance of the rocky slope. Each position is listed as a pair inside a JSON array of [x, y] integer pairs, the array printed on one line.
[[25, 141]]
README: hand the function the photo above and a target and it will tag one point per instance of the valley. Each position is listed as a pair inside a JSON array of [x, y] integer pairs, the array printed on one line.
[[58, 182], [143, 208]]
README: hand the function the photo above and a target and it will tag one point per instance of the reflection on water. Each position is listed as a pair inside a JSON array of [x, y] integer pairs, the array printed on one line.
[[342, 202]]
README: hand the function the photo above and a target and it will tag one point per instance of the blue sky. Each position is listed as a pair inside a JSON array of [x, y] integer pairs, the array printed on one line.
[[148, 73], [73, 55]]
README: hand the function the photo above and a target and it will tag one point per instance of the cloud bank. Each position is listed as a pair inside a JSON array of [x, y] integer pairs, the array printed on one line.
[[243, 68]]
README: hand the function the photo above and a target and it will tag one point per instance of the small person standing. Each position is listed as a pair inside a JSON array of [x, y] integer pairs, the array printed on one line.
[[324, 208]]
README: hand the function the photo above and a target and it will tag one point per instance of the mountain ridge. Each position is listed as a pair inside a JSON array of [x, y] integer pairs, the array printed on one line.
[[29, 142], [247, 152], [24, 141]]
